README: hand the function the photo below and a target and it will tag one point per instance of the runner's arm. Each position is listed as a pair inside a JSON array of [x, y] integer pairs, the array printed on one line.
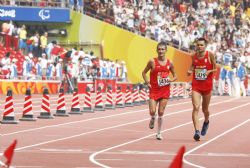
[[145, 71], [173, 72], [191, 68], [212, 60]]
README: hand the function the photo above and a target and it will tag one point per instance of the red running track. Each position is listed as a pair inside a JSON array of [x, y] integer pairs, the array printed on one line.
[[121, 137]]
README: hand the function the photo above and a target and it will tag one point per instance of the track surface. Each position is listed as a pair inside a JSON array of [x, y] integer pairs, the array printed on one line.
[[121, 137]]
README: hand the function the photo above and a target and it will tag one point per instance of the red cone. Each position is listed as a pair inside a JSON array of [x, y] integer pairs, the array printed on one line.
[[8, 114], [8, 153], [177, 162]]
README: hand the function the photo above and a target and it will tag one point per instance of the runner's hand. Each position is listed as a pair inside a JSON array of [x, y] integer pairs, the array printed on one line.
[[189, 72], [208, 72], [148, 85]]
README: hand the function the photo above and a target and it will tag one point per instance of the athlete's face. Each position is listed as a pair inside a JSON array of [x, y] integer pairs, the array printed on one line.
[[161, 50], [201, 46]]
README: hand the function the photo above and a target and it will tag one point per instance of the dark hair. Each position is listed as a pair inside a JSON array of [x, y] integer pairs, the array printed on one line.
[[162, 43], [7, 54], [202, 39], [53, 42]]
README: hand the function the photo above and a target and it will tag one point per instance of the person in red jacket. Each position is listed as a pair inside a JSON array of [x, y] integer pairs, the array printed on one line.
[[202, 68], [159, 85]]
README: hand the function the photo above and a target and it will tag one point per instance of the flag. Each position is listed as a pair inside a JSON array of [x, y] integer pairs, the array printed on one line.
[[177, 162], [8, 153]]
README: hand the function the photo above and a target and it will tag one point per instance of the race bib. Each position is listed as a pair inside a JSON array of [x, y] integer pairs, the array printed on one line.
[[200, 74], [162, 79]]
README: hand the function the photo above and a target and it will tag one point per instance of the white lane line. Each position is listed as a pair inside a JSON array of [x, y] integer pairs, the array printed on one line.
[[91, 119], [209, 141], [109, 116], [225, 154], [67, 106], [92, 157], [132, 160], [104, 129], [78, 135], [131, 152], [28, 166]]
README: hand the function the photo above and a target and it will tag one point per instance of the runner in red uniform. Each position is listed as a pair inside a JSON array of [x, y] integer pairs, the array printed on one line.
[[159, 85], [202, 68]]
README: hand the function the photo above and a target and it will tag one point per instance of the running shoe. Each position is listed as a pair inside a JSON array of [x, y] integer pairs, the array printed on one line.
[[204, 128], [159, 136], [197, 135], [152, 123]]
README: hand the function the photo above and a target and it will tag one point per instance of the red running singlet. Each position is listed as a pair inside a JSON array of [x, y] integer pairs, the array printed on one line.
[[159, 81], [201, 82]]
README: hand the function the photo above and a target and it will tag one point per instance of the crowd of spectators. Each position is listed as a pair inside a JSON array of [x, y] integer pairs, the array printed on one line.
[[30, 56], [178, 22], [70, 66], [224, 23]]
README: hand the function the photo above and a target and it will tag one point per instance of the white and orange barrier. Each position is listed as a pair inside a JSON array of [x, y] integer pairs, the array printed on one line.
[[143, 95], [181, 90], [8, 114], [174, 90], [61, 107], [99, 104], [45, 107], [119, 102], [136, 96], [128, 97], [27, 108], [87, 104], [75, 106], [109, 103]]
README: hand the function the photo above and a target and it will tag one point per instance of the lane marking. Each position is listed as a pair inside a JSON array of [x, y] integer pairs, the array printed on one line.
[[225, 154], [109, 116], [107, 128], [90, 119], [62, 150], [92, 157], [209, 141], [67, 107], [131, 152], [165, 160], [78, 135], [29, 166]]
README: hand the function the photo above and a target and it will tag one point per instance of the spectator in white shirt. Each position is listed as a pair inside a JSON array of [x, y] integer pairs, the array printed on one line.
[[44, 63], [59, 74], [13, 69], [123, 72], [6, 61], [38, 67], [50, 70], [27, 68]]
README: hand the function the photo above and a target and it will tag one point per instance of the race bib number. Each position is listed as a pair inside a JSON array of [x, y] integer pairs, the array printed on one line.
[[163, 81], [200, 74]]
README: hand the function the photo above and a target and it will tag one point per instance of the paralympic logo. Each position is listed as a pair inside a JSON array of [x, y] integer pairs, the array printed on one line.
[[44, 14]]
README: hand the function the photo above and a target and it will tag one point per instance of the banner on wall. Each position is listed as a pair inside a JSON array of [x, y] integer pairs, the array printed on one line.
[[82, 86], [102, 84], [8, 13], [36, 87], [111, 83], [124, 86]]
